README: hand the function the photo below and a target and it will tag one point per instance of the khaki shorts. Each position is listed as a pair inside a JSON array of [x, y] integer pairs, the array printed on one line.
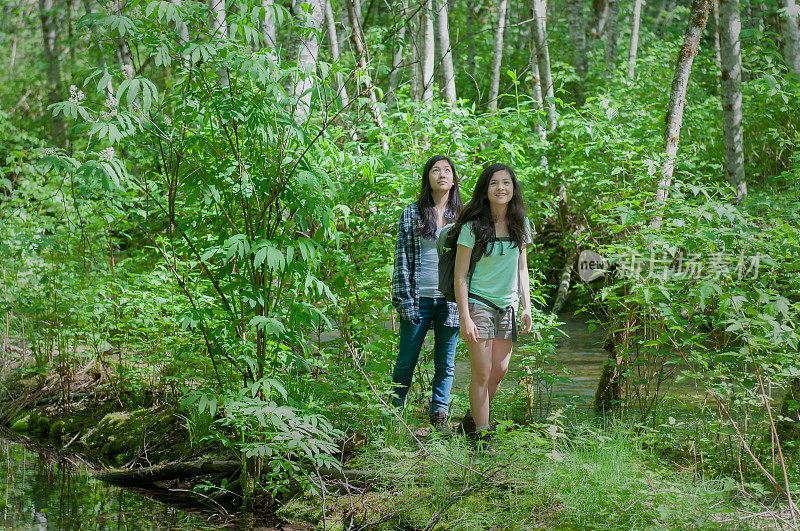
[[490, 323]]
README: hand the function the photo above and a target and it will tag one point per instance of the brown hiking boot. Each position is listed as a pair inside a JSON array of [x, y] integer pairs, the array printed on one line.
[[441, 425], [467, 425]]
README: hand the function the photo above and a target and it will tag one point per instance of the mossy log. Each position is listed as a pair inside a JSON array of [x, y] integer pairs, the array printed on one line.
[[183, 470], [167, 471]]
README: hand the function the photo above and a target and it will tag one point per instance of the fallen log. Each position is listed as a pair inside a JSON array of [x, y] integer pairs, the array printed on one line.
[[182, 470], [167, 471]]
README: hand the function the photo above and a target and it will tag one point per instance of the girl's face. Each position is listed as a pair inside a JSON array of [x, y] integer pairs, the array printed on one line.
[[501, 188], [441, 177]]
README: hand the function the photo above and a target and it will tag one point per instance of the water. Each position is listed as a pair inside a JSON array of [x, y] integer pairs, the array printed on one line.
[[47, 490], [580, 353]]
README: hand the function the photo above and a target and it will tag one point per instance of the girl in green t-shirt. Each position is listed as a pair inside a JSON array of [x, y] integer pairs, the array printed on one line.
[[494, 229]]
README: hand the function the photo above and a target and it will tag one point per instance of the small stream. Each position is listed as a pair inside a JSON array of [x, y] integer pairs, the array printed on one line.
[[45, 489], [580, 352]]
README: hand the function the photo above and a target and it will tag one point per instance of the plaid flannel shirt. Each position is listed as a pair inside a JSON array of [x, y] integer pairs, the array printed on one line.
[[405, 276]]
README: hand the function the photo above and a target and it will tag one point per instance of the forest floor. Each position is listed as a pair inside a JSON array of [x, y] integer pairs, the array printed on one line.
[[558, 473]]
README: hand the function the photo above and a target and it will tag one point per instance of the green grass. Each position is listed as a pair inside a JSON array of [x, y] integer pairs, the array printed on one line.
[[543, 477]]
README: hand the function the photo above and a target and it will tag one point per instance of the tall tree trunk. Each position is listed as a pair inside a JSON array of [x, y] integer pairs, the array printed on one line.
[[577, 35], [364, 81], [634, 47], [268, 29], [715, 13], [698, 17], [307, 53], [543, 58], [397, 58], [123, 55], [52, 53], [445, 51], [428, 51], [791, 35], [598, 20], [416, 56], [219, 20], [536, 87], [471, 66], [612, 36], [497, 55], [732, 128], [219, 25], [333, 43]]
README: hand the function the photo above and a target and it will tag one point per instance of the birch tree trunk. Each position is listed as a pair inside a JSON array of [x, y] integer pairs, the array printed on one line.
[[333, 43], [634, 47], [363, 79], [732, 128], [268, 29], [219, 22], [599, 15], [497, 55], [52, 53], [612, 36], [397, 58], [219, 25], [536, 87], [428, 51], [791, 35], [307, 53], [416, 56], [577, 35], [543, 58], [123, 55], [445, 51], [698, 17]]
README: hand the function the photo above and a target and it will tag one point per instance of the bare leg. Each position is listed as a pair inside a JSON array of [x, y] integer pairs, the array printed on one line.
[[501, 355], [480, 362]]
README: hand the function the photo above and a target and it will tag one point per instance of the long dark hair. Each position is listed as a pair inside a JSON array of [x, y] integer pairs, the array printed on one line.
[[479, 212], [427, 213]]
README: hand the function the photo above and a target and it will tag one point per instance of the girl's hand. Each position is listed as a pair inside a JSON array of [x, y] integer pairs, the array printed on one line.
[[469, 332], [527, 321]]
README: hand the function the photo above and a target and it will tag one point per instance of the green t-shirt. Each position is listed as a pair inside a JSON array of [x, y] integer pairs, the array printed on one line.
[[495, 275]]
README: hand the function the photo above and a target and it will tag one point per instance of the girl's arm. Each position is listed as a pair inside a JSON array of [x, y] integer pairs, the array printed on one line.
[[402, 274], [468, 330], [524, 291]]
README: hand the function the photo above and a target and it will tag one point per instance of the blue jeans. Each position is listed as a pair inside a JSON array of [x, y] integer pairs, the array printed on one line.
[[445, 338]]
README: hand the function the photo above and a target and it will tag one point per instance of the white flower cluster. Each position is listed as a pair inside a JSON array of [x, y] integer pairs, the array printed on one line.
[[111, 104], [107, 155], [75, 95], [127, 71]]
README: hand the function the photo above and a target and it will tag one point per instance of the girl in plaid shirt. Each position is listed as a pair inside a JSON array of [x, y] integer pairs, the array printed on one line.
[[415, 293]]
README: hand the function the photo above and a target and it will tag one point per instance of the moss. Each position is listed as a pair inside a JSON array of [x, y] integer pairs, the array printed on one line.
[[122, 435], [41, 428], [58, 429], [20, 425], [33, 421]]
